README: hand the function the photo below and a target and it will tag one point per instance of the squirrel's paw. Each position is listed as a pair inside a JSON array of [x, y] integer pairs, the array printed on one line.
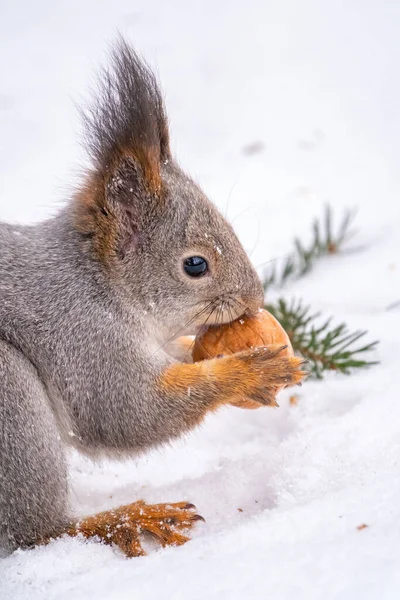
[[267, 371], [124, 526]]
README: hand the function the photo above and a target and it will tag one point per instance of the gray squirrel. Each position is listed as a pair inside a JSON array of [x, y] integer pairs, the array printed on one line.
[[92, 302]]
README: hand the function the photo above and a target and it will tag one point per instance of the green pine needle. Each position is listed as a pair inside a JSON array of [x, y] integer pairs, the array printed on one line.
[[326, 347], [299, 262]]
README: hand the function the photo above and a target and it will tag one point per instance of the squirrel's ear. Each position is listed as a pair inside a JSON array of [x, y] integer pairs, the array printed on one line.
[[113, 208], [126, 132], [134, 186]]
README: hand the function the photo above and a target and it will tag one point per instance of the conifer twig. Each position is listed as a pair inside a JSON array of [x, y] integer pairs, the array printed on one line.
[[327, 347], [299, 262]]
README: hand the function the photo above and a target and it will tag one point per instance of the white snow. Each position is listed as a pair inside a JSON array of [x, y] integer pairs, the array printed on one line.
[[276, 107]]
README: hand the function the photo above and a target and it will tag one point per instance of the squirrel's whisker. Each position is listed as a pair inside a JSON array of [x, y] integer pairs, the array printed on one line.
[[176, 333]]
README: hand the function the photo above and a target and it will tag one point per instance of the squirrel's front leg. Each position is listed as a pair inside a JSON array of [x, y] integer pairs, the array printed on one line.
[[180, 395], [207, 385]]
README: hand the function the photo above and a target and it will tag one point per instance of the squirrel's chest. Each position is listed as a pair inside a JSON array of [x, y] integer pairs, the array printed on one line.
[[100, 365]]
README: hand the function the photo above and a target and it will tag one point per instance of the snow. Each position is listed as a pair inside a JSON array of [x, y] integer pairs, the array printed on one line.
[[276, 108]]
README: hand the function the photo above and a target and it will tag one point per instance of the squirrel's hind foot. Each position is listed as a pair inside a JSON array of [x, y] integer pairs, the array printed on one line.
[[125, 525]]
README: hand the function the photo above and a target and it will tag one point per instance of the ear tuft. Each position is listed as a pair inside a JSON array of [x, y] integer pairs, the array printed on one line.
[[128, 115]]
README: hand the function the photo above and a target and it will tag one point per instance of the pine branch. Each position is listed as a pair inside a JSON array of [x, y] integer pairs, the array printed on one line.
[[326, 347], [393, 305], [299, 262]]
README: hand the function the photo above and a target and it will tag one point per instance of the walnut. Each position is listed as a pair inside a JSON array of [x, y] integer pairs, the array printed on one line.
[[261, 329]]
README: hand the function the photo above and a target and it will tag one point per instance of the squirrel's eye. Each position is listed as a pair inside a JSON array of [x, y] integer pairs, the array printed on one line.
[[195, 266]]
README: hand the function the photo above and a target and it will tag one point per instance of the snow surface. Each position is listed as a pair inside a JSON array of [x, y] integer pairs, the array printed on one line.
[[276, 107]]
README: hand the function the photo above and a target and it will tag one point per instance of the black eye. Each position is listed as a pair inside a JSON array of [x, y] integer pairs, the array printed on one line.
[[195, 266]]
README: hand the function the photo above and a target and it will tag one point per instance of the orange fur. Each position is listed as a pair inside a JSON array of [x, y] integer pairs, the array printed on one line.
[[94, 218], [253, 374]]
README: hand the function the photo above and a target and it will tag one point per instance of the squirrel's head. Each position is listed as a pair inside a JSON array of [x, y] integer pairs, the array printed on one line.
[[151, 227]]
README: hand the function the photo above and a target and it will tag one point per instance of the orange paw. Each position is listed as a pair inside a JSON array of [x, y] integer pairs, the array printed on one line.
[[125, 525]]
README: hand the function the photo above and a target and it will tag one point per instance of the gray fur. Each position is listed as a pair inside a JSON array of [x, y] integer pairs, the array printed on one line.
[[82, 344]]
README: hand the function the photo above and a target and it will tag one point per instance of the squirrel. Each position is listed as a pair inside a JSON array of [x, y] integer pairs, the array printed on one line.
[[92, 303]]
